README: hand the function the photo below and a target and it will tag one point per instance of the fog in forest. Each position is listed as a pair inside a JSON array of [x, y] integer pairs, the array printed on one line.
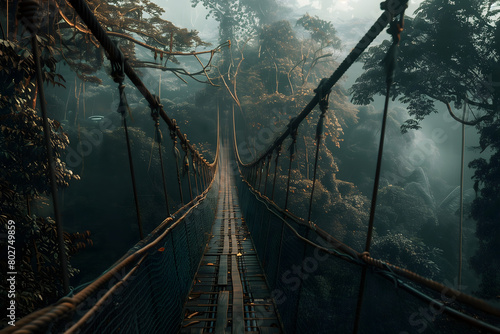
[[262, 61]]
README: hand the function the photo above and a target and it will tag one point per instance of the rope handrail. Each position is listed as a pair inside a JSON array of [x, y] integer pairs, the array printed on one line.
[[391, 8], [181, 211], [65, 306], [39, 319], [113, 52], [365, 259], [348, 253]]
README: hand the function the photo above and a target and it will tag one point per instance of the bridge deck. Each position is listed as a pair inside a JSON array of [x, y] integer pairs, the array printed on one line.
[[229, 293]]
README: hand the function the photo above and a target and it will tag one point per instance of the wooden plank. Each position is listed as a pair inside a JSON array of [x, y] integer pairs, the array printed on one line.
[[221, 317], [222, 275], [225, 245], [234, 247], [238, 323]]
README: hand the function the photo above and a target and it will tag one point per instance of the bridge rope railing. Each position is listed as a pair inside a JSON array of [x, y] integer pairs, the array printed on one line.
[[328, 244], [179, 256], [145, 290], [83, 311], [286, 234]]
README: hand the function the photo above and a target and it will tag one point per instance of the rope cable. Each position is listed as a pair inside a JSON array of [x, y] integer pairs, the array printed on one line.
[[159, 138], [389, 62], [269, 157], [278, 151], [460, 227], [292, 150], [391, 9], [186, 170], [323, 105], [177, 156], [114, 52], [28, 9], [117, 72]]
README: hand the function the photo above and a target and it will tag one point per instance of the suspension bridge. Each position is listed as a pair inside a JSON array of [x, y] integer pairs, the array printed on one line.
[[232, 260]]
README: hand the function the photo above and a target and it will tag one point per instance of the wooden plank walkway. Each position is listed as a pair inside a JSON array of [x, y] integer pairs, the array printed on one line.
[[229, 293]]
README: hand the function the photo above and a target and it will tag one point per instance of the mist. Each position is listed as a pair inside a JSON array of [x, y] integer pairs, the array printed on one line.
[[244, 73]]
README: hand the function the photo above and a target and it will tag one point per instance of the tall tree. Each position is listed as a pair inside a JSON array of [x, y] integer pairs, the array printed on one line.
[[23, 179], [23, 163], [238, 19], [450, 54]]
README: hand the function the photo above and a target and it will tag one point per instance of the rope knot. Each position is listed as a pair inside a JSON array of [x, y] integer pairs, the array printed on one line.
[[312, 225], [278, 153], [155, 109], [323, 95], [155, 114], [185, 167], [395, 29], [321, 89], [364, 255], [118, 74], [118, 67], [123, 107], [173, 132]]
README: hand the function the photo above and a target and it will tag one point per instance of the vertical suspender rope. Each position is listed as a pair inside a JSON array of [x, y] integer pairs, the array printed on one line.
[[278, 151], [195, 172], [292, 149], [257, 173], [28, 9], [461, 201], [155, 113], [118, 74], [203, 173], [250, 174], [323, 105], [201, 170], [395, 29], [186, 168], [261, 169], [177, 155], [293, 133], [269, 157]]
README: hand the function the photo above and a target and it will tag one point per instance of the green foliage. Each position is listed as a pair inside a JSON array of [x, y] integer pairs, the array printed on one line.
[[39, 281], [143, 17], [125, 20], [485, 210], [24, 175], [236, 18], [401, 251], [22, 140], [23, 179], [450, 53], [276, 81], [432, 65], [240, 19], [321, 31]]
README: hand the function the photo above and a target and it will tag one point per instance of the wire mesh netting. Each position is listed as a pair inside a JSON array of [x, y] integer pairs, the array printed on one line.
[[317, 292], [150, 298]]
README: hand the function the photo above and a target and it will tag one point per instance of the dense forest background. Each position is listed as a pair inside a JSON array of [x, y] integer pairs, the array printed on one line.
[[449, 58]]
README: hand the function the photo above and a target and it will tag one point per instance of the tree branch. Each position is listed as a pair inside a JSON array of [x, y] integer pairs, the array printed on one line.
[[477, 121], [169, 53]]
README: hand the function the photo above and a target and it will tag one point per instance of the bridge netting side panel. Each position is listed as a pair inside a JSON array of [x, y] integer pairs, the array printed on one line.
[[149, 294], [317, 292], [312, 289]]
